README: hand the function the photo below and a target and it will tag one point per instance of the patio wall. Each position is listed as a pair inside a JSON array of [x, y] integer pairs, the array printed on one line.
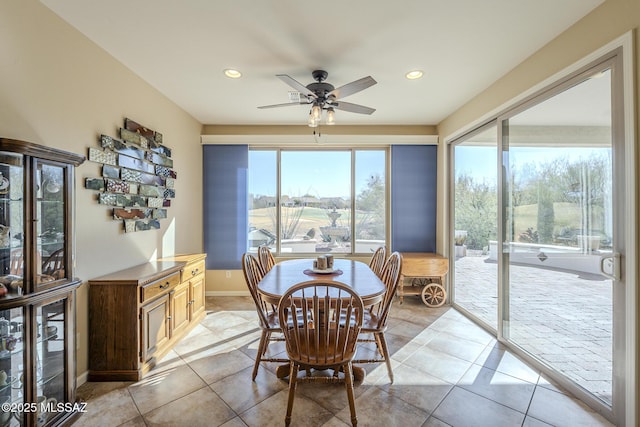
[[551, 256]]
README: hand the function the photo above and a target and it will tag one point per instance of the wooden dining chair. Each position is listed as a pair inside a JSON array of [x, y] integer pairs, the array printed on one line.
[[378, 259], [267, 314], [265, 257], [375, 319], [315, 340], [54, 265]]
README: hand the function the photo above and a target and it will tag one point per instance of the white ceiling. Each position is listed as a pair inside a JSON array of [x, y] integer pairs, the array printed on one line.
[[182, 47]]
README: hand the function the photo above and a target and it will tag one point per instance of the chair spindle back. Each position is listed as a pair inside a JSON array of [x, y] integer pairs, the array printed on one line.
[[376, 263]]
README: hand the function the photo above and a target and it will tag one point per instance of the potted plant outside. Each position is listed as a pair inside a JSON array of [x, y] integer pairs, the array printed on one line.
[[459, 238]]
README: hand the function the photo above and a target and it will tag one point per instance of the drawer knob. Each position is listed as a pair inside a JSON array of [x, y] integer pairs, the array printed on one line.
[[194, 272], [165, 286]]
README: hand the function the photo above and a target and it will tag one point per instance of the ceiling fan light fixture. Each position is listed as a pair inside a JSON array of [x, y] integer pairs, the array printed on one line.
[[312, 122], [324, 96], [316, 111], [331, 116], [232, 74], [414, 74]]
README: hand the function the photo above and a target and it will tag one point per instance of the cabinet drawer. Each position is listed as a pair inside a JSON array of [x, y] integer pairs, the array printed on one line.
[[193, 270], [158, 287]]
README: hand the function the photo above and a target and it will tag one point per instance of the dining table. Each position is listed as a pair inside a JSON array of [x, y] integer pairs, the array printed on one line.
[[355, 274]]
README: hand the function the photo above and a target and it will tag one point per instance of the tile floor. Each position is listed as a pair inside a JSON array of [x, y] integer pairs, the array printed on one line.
[[448, 372]]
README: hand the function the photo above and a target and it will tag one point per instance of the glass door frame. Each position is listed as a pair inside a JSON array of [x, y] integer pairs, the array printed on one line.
[[609, 62], [619, 54], [452, 256]]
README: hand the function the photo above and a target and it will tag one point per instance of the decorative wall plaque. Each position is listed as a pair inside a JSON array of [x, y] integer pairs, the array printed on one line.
[[137, 176]]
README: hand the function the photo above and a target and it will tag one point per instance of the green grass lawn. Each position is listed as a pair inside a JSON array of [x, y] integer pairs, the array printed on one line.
[[565, 215], [312, 217], [525, 216]]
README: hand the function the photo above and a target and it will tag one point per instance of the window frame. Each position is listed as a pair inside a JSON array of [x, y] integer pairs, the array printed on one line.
[[352, 205]]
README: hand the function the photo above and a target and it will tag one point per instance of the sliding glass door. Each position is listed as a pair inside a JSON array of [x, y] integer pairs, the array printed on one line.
[[475, 201], [558, 226], [548, 279]]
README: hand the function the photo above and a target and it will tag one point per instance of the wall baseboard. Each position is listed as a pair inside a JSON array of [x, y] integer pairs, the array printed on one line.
[[227, 294], [82, 378]]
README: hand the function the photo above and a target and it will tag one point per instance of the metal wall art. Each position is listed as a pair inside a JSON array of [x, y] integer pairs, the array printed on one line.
[[137, 176]]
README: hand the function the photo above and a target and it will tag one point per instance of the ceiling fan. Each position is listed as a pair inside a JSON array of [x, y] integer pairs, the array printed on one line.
[[324, 96]]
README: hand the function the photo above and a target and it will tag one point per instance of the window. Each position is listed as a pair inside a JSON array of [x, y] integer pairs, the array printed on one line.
[[308, 201]]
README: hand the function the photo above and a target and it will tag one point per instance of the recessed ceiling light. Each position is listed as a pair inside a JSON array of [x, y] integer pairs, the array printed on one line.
[[415, 74], [232, 74]]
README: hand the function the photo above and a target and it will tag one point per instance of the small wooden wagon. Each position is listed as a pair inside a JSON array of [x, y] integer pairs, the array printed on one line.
[[426, 272]]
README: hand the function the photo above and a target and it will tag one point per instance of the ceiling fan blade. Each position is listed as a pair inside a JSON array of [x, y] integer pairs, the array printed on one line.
[[287, 104], [296, 85], [353, 87], [352, 108]]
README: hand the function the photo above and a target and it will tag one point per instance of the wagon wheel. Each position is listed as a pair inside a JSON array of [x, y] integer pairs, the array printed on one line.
[[433, 295]]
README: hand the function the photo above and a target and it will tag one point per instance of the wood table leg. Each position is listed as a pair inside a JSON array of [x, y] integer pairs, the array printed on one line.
[[282, 371], [359, 374]]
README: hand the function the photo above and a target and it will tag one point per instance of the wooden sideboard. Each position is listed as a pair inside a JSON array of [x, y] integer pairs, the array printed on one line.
[[137, 315]]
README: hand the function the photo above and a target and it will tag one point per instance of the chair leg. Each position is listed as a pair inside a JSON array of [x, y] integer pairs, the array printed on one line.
[[348, 380], [379, 345], [385, 352], [267, 339], [293, 377], [262, 347]]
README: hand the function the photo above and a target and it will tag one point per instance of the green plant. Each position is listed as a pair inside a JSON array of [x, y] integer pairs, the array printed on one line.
[[476, 212], [460, 239]]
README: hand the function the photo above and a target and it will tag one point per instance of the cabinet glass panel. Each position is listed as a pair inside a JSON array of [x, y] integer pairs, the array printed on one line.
[[50, 211], [50, 358], [11, 221], [11, 362]]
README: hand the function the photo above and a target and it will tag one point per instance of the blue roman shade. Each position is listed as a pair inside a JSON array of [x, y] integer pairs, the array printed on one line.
[[413, 198], [225, 205]]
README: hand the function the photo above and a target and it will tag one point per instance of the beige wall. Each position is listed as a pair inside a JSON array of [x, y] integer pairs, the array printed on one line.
[[59, 89], [605, 24]]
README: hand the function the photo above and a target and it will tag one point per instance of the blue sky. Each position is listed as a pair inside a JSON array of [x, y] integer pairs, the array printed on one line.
[[319, 173], [480, 162], [327, 173]]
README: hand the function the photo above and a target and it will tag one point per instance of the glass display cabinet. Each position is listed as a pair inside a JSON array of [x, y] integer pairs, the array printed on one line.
[[37, 285]]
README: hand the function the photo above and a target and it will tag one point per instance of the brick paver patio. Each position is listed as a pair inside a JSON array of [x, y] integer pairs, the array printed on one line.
[[562, 317]]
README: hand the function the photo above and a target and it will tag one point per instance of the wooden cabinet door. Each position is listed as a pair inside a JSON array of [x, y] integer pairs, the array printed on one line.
[[180, 316], [155, 326], [197, 286]]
